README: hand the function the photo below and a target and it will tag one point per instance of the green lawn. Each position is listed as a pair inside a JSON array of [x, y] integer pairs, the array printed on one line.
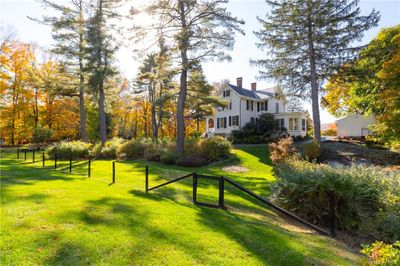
[[52, 217]]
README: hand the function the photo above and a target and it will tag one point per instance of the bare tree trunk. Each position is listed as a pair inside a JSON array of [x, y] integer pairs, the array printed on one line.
[[314, 85], [102, 115], [82, 112], [180, 108], [36, 110]]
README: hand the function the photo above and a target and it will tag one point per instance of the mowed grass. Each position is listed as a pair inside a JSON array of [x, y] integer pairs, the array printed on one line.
[[53, 217]]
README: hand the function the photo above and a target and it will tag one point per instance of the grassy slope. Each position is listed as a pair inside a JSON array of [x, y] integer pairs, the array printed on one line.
[[53, 217]]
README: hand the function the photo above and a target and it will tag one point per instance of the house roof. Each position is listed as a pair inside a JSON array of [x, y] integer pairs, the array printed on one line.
[[252, 94]]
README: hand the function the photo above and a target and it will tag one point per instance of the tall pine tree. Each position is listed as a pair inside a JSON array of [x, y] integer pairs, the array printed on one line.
[[69, 33], [101, 47], [308, 40], [196, 31]]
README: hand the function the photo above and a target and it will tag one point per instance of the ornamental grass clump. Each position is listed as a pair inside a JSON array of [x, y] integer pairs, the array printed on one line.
[[367, 199]]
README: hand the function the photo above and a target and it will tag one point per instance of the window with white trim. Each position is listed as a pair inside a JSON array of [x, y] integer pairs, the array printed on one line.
[[293, 124], [235, 120]]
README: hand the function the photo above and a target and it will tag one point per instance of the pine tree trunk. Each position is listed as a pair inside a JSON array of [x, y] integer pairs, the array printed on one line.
[[314, 85], [82, 112], [102, 115], [154, 123], [180, 108]]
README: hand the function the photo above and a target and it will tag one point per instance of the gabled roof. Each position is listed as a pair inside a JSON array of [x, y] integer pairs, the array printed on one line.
[[252, 94]]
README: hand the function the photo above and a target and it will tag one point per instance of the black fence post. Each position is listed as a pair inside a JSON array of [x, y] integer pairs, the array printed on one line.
[[331, 205], [221, 192], [18, 153], [25, 155], [55, 160], [113, 172], [33, 156], [43, 159], [89, 161], [195, 188], [70, 164], [147, 179]]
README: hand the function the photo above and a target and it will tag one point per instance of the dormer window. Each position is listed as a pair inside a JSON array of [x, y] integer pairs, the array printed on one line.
[[226, 93]]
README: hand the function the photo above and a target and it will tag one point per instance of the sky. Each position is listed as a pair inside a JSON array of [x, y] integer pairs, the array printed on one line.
[[15, 13]]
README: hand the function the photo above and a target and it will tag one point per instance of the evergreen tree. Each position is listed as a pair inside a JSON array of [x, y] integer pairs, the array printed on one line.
[[196, 31], [201, 101], [101, 47], [294, 104], [308, 41], [155, 77], [69, 33]]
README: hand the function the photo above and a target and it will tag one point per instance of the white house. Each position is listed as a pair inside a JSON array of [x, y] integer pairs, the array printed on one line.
[[354, 126], [246, 106]]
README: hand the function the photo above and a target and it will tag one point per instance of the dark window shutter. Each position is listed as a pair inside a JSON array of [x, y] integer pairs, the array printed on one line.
[[224, 122], [230, 105], [266, 105], [258, 106], [247, 104], [252, 105], [223, 93], [217, 122], [230, 121]]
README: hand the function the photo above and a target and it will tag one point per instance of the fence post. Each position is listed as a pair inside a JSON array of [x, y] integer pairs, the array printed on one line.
[[147, 179], [195, 188], [113, 172], [18, 153], [89, 166], [33, 156], [55, 160], [221, 192], [43, 159], [70, 164], [25, 155], [331, 205]]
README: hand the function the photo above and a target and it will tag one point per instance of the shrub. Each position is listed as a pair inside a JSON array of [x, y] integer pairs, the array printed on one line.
[[169, 157], [380, 253], [329, 132], [133, 149], [65, 149], [215, 148], [108, 150], [191, 161], [192, 147], [42, 135], [153, 153], [282, 150], [366, 198], [311, 151]]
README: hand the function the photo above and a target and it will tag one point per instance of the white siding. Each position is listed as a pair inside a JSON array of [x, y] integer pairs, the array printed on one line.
[[354, 126]]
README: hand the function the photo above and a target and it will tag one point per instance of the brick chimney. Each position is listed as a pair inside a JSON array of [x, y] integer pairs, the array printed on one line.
[[254, 86], [239, 82]]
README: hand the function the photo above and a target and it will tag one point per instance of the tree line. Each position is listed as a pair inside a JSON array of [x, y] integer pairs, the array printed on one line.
[[307, 42]]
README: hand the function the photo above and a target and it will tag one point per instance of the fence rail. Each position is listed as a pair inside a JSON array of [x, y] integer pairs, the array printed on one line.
[[221, 200], [221, 182]]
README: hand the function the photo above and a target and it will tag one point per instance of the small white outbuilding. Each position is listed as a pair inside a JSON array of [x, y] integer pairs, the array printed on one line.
[[354, 126]]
